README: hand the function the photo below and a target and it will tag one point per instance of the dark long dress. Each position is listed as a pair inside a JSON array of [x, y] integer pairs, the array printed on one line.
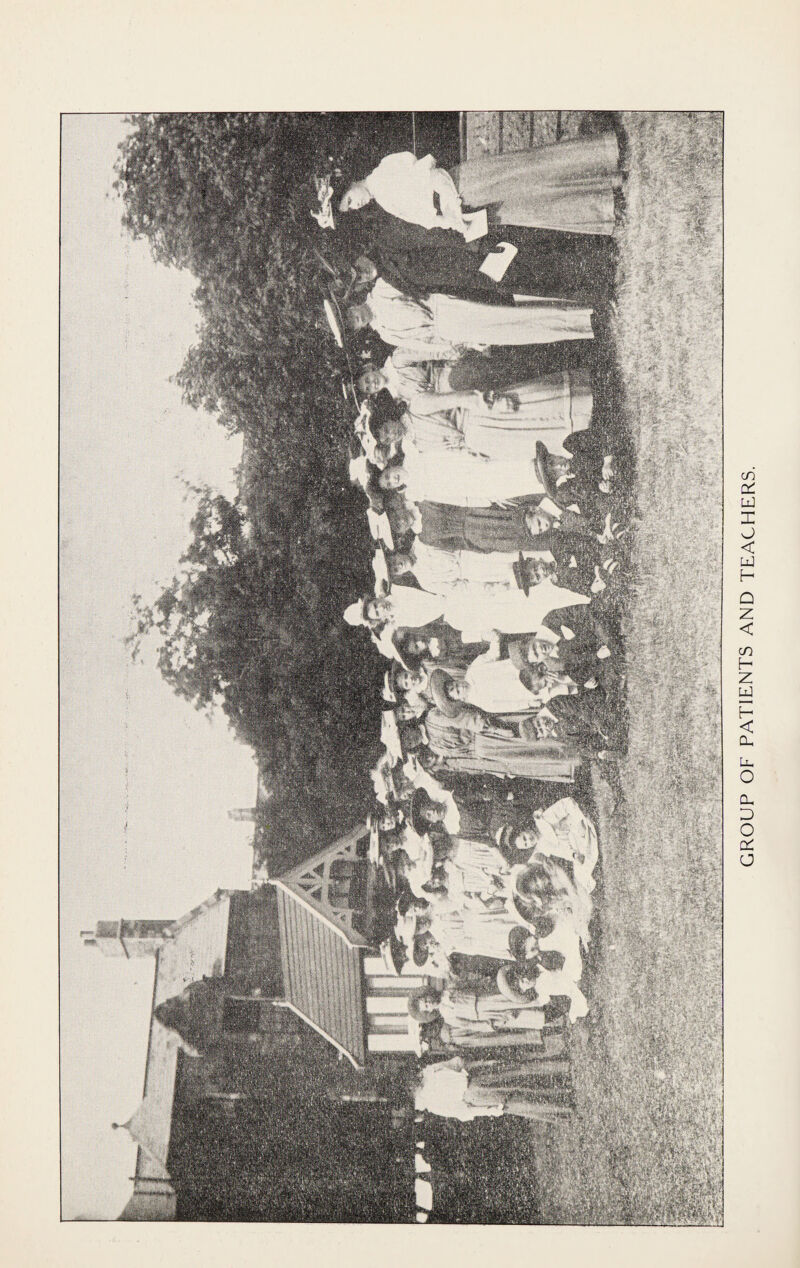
[[539, 1088], [480, 528], [549, 264]]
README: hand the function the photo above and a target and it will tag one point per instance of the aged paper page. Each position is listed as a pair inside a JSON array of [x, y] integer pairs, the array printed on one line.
[[94, 58]]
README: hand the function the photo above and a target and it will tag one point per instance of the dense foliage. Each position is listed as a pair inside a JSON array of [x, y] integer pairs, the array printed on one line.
[[252, 622]]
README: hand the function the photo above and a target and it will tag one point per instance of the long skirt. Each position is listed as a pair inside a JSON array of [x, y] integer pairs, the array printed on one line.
[[500, 366], [453, 1037], [462, 321], [549, 409], [484, 528], [536, 1088], [534, 759], [567, 186], [546, 760]]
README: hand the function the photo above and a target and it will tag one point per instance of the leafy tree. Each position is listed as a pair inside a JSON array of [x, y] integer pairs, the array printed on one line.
[[251, 623]]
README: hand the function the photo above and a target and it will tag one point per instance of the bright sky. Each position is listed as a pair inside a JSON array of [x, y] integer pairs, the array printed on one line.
[[146, 782]]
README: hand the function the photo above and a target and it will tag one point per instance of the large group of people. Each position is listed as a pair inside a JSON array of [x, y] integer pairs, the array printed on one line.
[[498, 505]]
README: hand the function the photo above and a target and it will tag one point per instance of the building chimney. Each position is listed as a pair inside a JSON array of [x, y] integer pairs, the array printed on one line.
[[128, 938]]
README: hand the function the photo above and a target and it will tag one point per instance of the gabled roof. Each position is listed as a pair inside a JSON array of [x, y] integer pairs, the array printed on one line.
[[321, 951], [322, 976], [309, 882], [196, 948]]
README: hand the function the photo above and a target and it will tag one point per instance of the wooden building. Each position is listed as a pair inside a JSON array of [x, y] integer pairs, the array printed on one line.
[[277, 1036], [333, 975]]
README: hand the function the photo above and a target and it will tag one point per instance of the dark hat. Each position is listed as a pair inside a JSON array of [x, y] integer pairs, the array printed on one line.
[[408, 661], [393, 954], [505, 836], [419, 801], [405, 902], [395, 669], [438, 686], [420, 953], [531, 677], [543, 471], [516, 942], [521, 575], [506, 984]]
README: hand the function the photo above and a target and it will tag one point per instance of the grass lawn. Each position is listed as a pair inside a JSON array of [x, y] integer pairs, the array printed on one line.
[[646, 1145]]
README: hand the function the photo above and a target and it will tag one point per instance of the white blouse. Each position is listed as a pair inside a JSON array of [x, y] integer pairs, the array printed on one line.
[[495, 686], [406, 323], [461, 478], [510, 611], [442, 1090], [402, 185], [442, 571]]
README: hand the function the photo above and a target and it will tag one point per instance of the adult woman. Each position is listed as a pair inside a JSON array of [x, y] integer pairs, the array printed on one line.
[[460, 478], [531, 983], [471, 866], [472, 925], [566, 186], [491, 685], [511, 613], [465, 1089], [440, 328], [445, 571], [507, 426], [471, 742], [435, 645], [474, 1010], [556, 947], [477, 528], [562, 832], [420, 261]]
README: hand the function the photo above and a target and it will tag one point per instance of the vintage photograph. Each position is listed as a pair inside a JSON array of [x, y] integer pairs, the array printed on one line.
[[390, 650]]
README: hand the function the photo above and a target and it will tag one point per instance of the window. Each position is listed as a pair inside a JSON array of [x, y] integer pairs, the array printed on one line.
[[241, 1016]]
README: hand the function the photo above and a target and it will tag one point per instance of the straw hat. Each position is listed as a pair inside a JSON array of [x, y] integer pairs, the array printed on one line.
[[390, 735], [405, 928], [517, 941], [379, 526], [356, 613], [522, 878], [439, 681], [381, 570], [506, 984], [505, 836], [542, 464]]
